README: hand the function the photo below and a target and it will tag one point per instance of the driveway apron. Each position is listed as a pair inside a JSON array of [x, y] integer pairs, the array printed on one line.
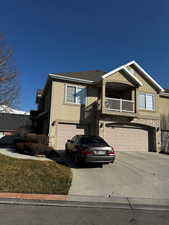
[[134, 174]]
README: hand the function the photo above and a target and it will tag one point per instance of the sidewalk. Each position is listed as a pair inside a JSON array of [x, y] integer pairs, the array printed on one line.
[[11, 153]]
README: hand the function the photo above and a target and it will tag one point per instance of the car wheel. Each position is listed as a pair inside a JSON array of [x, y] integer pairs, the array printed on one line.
[[77, 160], [66, 150]]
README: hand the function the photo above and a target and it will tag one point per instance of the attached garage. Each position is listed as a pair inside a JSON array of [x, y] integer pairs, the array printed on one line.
[[66, 131], [127, 138]]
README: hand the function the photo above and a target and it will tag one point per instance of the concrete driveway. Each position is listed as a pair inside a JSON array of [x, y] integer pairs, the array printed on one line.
[[134, 174]]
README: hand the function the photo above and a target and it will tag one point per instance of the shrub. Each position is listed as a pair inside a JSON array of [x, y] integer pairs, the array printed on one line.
[[20, 147], [37, 138], [18, 140], [34, 149], [52, 154], [43, 139], [37, 148], [22, 131], [34, 144], [31, 138]]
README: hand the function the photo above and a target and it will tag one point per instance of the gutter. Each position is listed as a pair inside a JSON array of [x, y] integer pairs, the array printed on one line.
[[78, 80], [164, 94]]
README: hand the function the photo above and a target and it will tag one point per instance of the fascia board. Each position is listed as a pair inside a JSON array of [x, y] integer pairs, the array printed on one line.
[[111, 72], [127, 71], [60, 77], [163, 94], [135, 78], [146, 74]]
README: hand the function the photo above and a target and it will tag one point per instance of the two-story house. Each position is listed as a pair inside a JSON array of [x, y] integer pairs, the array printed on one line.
[[124, 106]]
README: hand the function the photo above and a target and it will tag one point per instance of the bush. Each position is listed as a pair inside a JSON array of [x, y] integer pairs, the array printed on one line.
[[43, 139], [37, 138], [20, 147], [18, 140], [31, 138], [53, 154], [34, 149], [22, 131], [34, 144]]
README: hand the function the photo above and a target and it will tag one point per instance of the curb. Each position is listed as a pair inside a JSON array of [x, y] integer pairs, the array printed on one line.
[[33, 196], [84, 201]]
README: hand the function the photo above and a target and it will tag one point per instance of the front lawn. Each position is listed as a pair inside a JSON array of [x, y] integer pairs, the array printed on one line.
[[33, 176]]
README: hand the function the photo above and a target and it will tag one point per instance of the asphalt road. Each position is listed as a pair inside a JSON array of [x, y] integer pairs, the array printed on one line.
[[134, 174], [50, 215]]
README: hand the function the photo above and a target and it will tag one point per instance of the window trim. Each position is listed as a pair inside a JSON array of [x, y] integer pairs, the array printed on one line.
[[154, 101], [76, 86]]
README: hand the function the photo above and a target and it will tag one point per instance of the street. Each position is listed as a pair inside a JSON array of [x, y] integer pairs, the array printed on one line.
[[50, 215]]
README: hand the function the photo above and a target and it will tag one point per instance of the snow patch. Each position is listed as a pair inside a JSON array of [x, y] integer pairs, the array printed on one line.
[[6, 109]]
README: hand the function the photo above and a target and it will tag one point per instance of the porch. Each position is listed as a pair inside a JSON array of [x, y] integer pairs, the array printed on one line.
[[118, 98]]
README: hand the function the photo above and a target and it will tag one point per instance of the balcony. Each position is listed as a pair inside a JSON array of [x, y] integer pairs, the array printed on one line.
[[119, 105]]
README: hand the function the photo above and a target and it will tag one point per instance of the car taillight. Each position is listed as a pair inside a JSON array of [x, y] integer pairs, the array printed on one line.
[[87, 153], [112, 152]]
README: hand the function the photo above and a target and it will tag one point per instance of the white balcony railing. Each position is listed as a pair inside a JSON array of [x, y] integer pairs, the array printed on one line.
[[119, 105]]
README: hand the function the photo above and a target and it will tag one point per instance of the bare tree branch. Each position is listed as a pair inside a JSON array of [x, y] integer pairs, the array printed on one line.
[[9, 87]]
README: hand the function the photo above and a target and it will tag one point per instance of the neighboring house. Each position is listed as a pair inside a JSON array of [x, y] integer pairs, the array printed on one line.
[[124, 106], [7, 109], [10, 122]]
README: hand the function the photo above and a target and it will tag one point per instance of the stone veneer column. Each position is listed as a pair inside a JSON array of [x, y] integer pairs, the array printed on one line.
[[52, 135], [101, 128], [158, 140], [103, 94]]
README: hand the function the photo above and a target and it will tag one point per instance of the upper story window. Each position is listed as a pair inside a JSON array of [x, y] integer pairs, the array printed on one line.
[[75, 94], [147, 101]]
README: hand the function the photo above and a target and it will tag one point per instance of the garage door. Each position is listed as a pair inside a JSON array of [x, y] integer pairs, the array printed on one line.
[[65, 132], [127, 139]]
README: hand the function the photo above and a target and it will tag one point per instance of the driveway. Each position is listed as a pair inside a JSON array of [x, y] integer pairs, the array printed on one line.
[[134, 174]]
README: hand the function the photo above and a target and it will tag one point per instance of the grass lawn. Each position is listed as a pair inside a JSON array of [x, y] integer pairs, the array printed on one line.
[[33, 176]]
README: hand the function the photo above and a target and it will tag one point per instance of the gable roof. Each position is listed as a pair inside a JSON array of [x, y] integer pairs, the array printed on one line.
[[94, 76], [10, 122], [133, 77], [143, 72], [83, 76]]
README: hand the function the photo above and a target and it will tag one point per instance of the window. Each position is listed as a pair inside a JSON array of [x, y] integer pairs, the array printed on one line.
[[71, 94], [146, 101], [92, 140], [75, 94]]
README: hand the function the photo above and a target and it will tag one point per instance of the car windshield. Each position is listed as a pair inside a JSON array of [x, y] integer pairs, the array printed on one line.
[[92, 140]]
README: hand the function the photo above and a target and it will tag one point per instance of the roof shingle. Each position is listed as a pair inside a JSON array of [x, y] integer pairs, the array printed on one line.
[[10, 122], [91, 75]]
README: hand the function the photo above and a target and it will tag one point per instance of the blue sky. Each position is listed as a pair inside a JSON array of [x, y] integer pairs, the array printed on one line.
[[58, 36]]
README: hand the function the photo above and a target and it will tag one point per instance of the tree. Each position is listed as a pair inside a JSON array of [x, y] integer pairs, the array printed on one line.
[[9, 88]]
